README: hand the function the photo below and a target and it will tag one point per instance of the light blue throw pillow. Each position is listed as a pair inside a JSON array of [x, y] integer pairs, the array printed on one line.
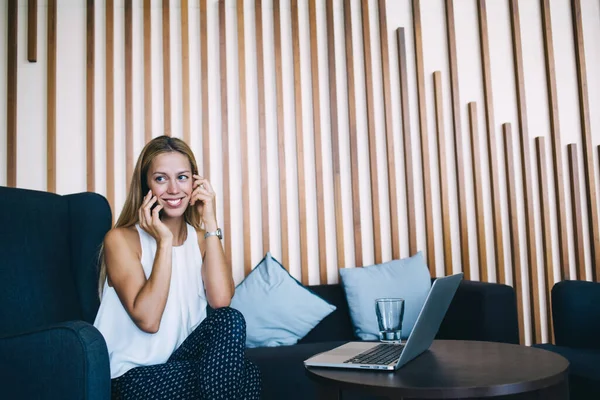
[[278, 310], [408, 278]]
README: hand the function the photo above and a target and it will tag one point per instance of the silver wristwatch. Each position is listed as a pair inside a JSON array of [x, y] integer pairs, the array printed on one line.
[[218, 233]]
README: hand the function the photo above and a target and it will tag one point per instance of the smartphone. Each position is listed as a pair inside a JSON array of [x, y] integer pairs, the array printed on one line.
[[145, 190]]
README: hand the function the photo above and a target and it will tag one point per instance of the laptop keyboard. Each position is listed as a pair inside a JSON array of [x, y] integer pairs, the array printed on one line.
[[382, 354]]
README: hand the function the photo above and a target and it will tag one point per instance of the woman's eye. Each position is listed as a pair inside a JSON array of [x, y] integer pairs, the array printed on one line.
[[183, 177], [160, 179]]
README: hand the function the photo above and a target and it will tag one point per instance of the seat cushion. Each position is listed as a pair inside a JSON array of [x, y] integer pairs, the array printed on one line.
[[584, 374]]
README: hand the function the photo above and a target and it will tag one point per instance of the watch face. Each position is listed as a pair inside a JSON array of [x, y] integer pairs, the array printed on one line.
[[219, 233]]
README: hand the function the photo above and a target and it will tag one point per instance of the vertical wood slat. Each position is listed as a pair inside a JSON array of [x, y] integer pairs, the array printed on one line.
[[316, 93], [166, 58], [389, 129], [204, 89], [406, 134], [559, 184], [225, 130], [459, 159], [526, 168], [491, 142], [147, 71], [477, 184], [358, 256], [586, 132], [109, 104], [281, 134], [335, 136], [185, 70], [11, 93], [90, 91], [513, 220], [576, 210], [262, 133], [247, 241], [443, 171], [32, 13], [546, 228], [299, 142], [129, 89], [51, 96], [426, 164]]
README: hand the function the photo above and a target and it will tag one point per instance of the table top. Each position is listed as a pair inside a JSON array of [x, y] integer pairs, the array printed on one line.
[[456, 368]]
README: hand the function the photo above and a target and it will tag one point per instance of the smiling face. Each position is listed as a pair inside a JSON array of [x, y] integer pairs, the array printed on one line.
[[170, 179]]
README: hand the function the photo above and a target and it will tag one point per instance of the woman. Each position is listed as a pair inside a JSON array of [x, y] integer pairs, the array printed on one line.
[[162, 264]]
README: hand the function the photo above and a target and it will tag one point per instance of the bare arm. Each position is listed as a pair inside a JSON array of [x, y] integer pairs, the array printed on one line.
[[143, 299], [217, 277]]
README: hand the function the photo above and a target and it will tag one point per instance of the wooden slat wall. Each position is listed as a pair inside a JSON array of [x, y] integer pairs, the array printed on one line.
[[299, 143], [426, 170], [356, 203], [109, 105], [443, 173], [262, 133], [491, 142], [513, 221], [204, 89], [335, 137], [11, 94], [459, 157], [576, 210], [559, 183], [147, 71], [51, 97], [586, 132], [477, 184], [389, 129], [225, 131], [32, 14], [247, 243], [281, 134], [166, 53], [540, 148], [316, 98], [185, 70], [129, 90], [406, 134], [90, 96], [371, 133], [527, 166], [533, 307]]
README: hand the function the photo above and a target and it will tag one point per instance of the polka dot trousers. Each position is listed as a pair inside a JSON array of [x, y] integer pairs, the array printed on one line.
[[209, 364]]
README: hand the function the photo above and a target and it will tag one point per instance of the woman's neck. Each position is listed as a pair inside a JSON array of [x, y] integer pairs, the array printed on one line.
[[178, 228]]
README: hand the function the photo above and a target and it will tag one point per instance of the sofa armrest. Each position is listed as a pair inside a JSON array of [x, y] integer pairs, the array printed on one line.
[[482, 311], [575, 313], [67, 361]]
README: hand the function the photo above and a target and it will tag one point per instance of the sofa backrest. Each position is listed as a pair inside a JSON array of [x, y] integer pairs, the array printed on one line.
[[48, 257], [337, 325]]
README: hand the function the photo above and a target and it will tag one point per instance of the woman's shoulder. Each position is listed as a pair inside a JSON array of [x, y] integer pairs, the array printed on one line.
[[128, 236]]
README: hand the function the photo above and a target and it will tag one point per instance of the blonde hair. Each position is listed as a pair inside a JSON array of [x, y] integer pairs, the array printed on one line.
[[139, 187]]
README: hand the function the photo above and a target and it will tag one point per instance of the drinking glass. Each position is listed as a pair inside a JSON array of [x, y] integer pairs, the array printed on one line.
[[390, 312]]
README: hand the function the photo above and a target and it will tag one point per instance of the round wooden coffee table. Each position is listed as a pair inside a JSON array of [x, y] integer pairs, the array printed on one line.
[[453, 369]]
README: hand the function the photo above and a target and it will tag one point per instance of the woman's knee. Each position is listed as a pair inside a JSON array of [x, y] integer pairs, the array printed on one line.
[[229, 318]]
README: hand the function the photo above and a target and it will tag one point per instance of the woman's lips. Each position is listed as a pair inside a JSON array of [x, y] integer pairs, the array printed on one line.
[[174, 203]]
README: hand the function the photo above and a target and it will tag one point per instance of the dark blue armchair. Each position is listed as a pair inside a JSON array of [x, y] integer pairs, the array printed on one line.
[[576, 318], [48, 278]]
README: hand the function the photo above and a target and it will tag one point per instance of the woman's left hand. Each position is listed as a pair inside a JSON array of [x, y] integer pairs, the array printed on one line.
[[203, 198]]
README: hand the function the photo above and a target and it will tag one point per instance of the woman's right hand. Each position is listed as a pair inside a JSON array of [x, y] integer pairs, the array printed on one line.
[[150, 220]]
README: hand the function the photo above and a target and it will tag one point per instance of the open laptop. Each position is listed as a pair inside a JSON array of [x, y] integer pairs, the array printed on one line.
[[386, 356]]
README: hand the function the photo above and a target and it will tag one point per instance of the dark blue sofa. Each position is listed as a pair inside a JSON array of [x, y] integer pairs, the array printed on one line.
[[576, 320], [48, 299]]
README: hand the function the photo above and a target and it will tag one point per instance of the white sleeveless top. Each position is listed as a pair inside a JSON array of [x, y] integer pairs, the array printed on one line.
[[128, 345]]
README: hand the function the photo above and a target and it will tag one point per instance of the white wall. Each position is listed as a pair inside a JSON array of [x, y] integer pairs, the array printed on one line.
[[71, 119]]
